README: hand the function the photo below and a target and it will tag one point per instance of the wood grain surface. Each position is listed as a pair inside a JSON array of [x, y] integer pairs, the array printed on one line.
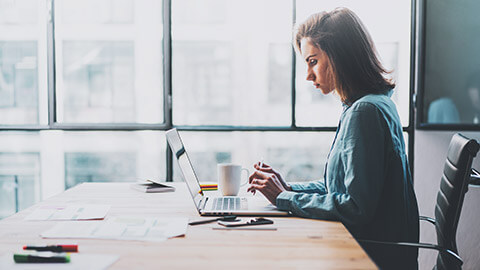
[[296, 244]]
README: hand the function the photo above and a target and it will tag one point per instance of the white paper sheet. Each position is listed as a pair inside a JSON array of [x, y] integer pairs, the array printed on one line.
[[78, 261], [121, 228], [69, 212]]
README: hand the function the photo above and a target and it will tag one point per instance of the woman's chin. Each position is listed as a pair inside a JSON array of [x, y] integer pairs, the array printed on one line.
[[325, 91]]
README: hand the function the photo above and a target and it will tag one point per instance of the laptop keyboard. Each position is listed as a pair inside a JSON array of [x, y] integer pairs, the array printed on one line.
[[229, 203]]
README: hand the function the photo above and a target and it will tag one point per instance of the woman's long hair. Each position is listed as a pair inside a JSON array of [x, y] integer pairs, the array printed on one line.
[[351, 52]]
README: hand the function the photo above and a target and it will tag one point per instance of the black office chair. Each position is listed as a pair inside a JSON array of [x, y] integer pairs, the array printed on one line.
[[457, 174]]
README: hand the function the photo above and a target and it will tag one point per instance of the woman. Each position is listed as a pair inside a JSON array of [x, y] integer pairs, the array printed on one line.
[[367, 183]]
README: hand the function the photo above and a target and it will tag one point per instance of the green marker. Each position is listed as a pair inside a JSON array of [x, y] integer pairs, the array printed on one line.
[[41, 258]]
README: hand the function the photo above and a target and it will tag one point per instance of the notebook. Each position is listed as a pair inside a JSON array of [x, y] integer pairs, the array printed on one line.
[[149, 186]]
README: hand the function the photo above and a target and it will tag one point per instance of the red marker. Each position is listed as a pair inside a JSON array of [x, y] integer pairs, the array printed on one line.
[[53, 248]]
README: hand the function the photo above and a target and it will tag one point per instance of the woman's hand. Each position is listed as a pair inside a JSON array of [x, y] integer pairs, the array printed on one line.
[[269, 182], [260, 166]]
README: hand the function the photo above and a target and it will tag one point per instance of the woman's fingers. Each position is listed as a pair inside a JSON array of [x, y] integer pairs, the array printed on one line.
[[264, 169], [261, 182], [264, 165], [267, 191], [270, 186], [257, 175], [257, 184], [254, 187], [268, 169]]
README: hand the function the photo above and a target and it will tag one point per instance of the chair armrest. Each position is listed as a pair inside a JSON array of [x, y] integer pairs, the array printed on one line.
[[474, 177], [418, 245], [429, 219]]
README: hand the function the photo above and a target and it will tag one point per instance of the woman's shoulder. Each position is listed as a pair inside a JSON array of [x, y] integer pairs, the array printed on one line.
[[371, 112], [373, 106], [373, 102]]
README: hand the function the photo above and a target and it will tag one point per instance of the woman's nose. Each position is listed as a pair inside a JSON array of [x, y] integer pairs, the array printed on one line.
[[310, 76]]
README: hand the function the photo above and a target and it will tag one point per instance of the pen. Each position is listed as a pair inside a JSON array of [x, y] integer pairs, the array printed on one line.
[[53, 248], [246, 228], [261, 163], [225, 218], [41, 258]]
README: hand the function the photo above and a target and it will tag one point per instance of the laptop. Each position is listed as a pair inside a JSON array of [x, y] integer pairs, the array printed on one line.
[[215, 206]]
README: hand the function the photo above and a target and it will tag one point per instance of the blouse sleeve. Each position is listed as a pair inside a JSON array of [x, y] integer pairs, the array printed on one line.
[[309, 187], [362, 150]]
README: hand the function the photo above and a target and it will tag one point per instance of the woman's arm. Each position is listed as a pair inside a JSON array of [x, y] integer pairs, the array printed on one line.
[[363, 156], [309, 187]]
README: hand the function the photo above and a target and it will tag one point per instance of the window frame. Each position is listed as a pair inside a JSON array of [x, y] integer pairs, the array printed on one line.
[[167, 92], [421, 121]]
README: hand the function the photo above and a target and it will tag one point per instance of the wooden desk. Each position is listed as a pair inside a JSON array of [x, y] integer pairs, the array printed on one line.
[[298, 243]]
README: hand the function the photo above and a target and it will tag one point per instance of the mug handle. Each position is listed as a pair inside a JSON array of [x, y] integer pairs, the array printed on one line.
[[248, 173]]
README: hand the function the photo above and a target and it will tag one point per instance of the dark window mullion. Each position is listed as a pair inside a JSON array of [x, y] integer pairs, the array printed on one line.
[[108, 126], [167, 81], [51, 76], [412, 97], [255, 128], [294, 69]]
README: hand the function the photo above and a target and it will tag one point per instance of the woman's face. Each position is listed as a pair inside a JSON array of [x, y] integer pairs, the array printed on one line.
[[319, 70]]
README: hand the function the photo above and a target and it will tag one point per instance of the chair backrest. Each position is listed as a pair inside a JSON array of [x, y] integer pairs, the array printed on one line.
[[453, 186]]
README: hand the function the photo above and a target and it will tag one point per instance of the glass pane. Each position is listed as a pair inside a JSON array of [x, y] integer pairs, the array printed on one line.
[[113, 156], [109, 61], [298, 156], [17, 192], [451, 93], [23, 62], [389, 26], [99, 167], [230, 70], [19, 171]]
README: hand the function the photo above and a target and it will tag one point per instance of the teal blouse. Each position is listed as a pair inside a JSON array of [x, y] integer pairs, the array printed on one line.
[[367, 182]]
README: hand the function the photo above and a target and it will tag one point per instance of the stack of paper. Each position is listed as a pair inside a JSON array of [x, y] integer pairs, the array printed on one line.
[[69, 212], [121, 228], [151, 187]]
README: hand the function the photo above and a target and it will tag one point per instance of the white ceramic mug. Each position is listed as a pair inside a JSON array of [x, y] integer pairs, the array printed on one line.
[[229, 176]]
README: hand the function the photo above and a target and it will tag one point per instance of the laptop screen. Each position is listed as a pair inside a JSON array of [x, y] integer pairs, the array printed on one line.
[[185, 165]]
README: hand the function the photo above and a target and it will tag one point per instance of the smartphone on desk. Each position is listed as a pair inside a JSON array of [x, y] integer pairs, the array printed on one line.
[[246, 222]]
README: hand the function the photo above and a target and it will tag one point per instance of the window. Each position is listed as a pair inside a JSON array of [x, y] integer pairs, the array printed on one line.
[[102, 90], [88, 88], [109, 61], [300, 156], [22, 62], [449, 76], [108, 156], [224, 64], [19, 171]]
